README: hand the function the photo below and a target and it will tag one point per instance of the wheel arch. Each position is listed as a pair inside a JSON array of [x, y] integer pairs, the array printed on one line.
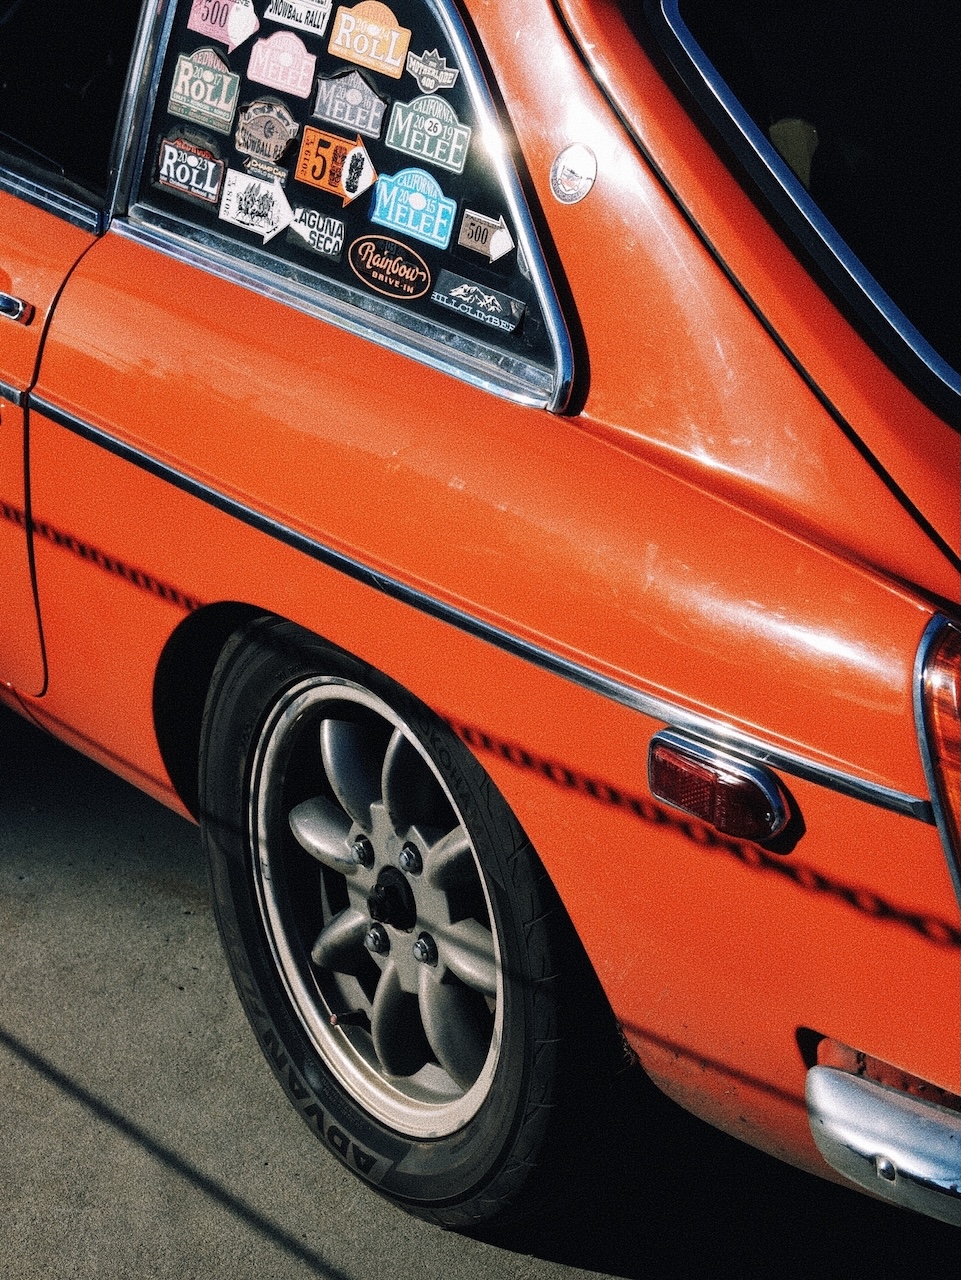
[[181, 682]]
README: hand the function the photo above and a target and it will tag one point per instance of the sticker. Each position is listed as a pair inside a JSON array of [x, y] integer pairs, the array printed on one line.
[[311, 16], [431, 71], [282, 62], [231, 21], [350, 101], [317, 231], [389, 267], [478, 302], [254, 204], [335, 164], [412, 201], [204, 90], [369, 35], [265, 129], [428, 129], [190, 170], [484, 235], [573, 173]]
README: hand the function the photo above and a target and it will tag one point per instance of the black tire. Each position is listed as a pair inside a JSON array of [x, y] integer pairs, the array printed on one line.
[[407, 968]]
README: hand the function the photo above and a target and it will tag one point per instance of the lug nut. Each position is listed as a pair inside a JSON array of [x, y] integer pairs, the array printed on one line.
[[410, 860], [377, 940], [425, 949], [363, 852]]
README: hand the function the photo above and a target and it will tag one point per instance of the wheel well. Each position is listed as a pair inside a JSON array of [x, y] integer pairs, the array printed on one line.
[[180, 689]]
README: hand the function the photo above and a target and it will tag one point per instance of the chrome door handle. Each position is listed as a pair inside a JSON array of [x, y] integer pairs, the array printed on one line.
[[15, 308]]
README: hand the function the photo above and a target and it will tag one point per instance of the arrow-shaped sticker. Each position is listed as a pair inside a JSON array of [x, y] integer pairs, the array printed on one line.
[[255, 204], [487, 236], [335, 164]]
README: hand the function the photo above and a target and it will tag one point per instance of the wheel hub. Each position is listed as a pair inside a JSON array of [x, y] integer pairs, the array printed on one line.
[[392, 902]]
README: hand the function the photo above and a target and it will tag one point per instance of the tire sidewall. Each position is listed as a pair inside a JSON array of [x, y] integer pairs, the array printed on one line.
[[487, 1160]]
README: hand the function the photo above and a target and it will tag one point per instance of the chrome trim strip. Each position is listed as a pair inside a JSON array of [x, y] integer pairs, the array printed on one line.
[[80, 215], [930, 637], [779, 173], [474, 77], [141, 80], [12, 394], [896, 1145], [362, 315], [703, 728]]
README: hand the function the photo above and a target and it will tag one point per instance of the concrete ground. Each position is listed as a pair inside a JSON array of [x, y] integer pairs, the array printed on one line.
[[142, 1134]]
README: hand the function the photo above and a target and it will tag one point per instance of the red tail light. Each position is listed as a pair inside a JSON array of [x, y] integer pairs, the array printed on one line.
[[939, 691]]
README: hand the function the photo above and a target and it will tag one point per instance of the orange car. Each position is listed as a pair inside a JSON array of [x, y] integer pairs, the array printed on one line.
[[437, 432]]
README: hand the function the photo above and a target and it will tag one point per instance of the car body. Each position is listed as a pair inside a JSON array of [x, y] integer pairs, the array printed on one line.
[[560, 415]]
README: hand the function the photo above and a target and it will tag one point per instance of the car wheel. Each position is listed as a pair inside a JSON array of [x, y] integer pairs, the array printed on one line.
[[399, 950]]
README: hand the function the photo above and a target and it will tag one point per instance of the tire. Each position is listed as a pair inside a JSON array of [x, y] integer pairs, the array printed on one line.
[[400, 953]]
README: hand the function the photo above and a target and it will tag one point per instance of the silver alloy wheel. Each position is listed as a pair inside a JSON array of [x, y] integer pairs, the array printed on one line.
[[375, 907]]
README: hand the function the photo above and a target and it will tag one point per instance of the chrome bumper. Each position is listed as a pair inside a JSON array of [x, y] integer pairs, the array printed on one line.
[[895, 1145]]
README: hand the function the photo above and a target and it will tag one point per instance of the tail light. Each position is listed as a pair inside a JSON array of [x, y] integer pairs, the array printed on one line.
[[938, 706]]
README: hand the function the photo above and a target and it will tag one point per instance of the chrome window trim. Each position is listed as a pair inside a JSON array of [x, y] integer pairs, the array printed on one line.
[[142, 74], [81, 215], [779, 182], [363, 315], [710, 732], [488, 368], [930, 637]]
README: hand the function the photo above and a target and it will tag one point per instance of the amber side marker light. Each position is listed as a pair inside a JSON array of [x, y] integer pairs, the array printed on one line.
[[736, 798], [939, 687]]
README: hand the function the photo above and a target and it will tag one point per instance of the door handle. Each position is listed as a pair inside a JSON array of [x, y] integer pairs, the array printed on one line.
[[15, 309]]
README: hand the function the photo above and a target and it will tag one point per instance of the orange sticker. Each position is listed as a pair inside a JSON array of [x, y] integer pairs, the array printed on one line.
[[334, 164], [370, 35]]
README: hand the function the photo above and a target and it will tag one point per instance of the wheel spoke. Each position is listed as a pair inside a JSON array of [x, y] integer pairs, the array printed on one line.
[[352, 752], [321, 828], [411, 792], [457, 1025], [468, 951], [340, 944], [395, 1026], [450, 860]]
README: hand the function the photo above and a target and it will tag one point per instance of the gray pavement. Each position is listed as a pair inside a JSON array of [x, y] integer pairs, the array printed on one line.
[[142, 1134]]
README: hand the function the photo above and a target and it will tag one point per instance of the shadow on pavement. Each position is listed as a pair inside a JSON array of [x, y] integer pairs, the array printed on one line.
[[677, 1198]]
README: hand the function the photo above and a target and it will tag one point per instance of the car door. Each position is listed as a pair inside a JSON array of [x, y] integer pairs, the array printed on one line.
[[62, 72]]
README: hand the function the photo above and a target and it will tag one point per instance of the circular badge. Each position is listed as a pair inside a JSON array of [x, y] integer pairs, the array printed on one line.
[[573, 173]]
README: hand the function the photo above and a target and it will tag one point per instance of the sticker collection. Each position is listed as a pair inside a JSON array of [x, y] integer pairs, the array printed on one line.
[[325, 123]]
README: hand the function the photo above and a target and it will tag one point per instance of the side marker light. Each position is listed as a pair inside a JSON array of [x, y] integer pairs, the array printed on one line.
[[738, 799]]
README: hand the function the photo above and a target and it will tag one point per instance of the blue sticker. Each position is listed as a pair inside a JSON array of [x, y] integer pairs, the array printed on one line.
[[412, 201]]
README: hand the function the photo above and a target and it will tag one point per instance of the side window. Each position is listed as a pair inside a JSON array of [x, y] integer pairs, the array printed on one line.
[[348, 150], [848, 117], [62, 74]]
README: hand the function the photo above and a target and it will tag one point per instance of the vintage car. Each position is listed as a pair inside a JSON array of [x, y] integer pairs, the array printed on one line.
[[495, 466]]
